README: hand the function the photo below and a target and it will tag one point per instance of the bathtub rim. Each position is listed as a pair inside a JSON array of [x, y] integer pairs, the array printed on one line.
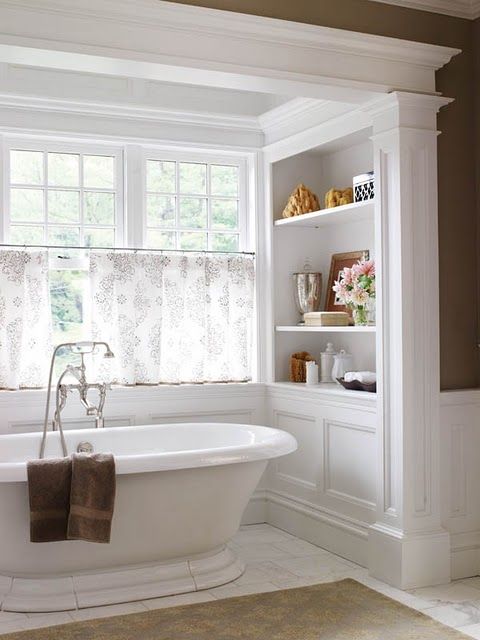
[[279, 444]]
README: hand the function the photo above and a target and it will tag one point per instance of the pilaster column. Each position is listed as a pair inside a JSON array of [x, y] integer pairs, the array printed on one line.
[[407, 545]]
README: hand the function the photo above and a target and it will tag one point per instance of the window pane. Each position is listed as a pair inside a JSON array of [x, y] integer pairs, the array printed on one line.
[[224, 241], [161, 176], [26, 167], [26, 234], [224, 214], [26, 205], [193, 241], [160, 239], [99, 237], [63, 206], [193, 213], [160, 210], [99, 208], [98, 171], [224, 180], [64, 235], [193, 177], [66, 296], [63, 170]]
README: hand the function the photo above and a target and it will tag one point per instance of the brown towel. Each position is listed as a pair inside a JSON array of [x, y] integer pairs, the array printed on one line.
[[92, 497], [49, 494]]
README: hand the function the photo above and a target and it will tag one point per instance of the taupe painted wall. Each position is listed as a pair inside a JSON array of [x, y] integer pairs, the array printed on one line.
[[459, 286]]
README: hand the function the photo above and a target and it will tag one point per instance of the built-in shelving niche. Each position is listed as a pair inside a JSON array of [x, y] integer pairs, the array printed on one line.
[[318, 235]]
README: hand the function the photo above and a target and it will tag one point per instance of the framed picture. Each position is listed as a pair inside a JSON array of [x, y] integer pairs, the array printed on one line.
[[338, 263]]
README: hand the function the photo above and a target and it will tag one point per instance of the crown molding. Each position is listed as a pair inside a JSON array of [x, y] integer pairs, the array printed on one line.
[[469, 9], [298, 115], [211, 22], [171, 42], [129, 112], [280, 122]]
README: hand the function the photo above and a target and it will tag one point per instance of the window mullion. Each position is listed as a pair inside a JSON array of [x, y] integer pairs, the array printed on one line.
[[45, 197], [177, 205], [4, 197], [134, 218]]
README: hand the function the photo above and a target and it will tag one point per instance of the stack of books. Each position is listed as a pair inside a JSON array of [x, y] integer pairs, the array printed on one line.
[[326, 319]]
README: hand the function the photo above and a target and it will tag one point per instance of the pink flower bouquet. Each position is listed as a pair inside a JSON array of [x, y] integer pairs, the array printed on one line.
[[356, 288]]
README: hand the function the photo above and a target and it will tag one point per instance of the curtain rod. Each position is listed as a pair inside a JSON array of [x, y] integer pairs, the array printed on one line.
[[60, 246]]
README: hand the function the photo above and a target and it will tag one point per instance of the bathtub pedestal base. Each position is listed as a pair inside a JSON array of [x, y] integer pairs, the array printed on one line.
[[65, 593]]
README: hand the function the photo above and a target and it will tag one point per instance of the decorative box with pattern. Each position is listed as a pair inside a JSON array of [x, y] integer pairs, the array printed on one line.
[[363, 187]]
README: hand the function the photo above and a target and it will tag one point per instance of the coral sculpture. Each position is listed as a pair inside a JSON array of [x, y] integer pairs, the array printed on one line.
[[302, 200], [337, 197]]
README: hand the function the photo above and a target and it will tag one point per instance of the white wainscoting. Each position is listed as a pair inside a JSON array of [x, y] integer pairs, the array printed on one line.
[[460, 466], [325, 491], [22, 411]]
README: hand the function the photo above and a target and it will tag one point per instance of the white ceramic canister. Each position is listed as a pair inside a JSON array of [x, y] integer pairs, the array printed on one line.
[[312, 372], [343, 362], [326, 363]]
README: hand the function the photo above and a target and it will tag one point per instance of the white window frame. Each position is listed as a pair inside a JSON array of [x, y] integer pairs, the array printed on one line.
[[131, 191], [208, 158], [46, 145]]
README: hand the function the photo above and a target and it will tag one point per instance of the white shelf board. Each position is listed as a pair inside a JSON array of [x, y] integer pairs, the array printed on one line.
[[336, 215], [304, 329], [330, 388]]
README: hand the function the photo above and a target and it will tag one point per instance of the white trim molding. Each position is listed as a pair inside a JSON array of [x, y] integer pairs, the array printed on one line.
[[160, 40], [469, 9], [408, 545]]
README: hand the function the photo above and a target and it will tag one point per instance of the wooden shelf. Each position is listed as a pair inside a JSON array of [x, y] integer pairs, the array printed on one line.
[[304, 329], [337, 215]]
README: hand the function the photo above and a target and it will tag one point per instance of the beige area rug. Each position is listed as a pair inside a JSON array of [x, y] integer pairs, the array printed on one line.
[[344, 610]]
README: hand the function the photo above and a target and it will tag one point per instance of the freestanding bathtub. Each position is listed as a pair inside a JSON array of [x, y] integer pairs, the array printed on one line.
[[181, 492]]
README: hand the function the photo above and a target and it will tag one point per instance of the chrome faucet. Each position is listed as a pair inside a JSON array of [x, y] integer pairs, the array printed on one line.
[[82, 386]]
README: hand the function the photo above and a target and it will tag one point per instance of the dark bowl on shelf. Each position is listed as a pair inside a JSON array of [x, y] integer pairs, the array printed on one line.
[[355, 385]]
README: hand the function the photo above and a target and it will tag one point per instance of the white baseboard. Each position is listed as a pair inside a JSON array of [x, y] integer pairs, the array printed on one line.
[[465, 554], [332, 531], [409, 560]]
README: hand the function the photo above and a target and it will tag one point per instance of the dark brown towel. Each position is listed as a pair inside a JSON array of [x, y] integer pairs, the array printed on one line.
[[49, 494], [92, 497]]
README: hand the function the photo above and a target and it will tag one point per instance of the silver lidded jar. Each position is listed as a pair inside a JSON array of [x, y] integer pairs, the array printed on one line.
[[308, 289]]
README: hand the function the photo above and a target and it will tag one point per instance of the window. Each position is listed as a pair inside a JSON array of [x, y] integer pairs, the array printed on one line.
[[72, 195], [194, 205], [64, 197]]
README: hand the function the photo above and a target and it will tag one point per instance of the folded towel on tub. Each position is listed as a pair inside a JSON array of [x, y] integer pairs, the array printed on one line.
[[49, 484], [92, 497]]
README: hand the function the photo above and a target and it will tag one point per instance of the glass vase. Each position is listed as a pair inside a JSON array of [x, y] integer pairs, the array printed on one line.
[[360, 316], [371, 312]]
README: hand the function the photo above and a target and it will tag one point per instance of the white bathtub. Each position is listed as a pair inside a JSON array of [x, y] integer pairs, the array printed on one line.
[[181, 492]]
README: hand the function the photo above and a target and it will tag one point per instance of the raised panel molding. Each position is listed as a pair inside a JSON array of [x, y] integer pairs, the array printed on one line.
[[18, 426], [328, 462], [240, 415], [288, 469], [458, 472]]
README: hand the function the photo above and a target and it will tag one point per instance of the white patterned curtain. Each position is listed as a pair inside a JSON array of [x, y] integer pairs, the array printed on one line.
[[25, 319], [173, 318]]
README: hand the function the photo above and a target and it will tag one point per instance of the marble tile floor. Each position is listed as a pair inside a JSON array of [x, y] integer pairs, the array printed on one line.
[[277, 560]]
